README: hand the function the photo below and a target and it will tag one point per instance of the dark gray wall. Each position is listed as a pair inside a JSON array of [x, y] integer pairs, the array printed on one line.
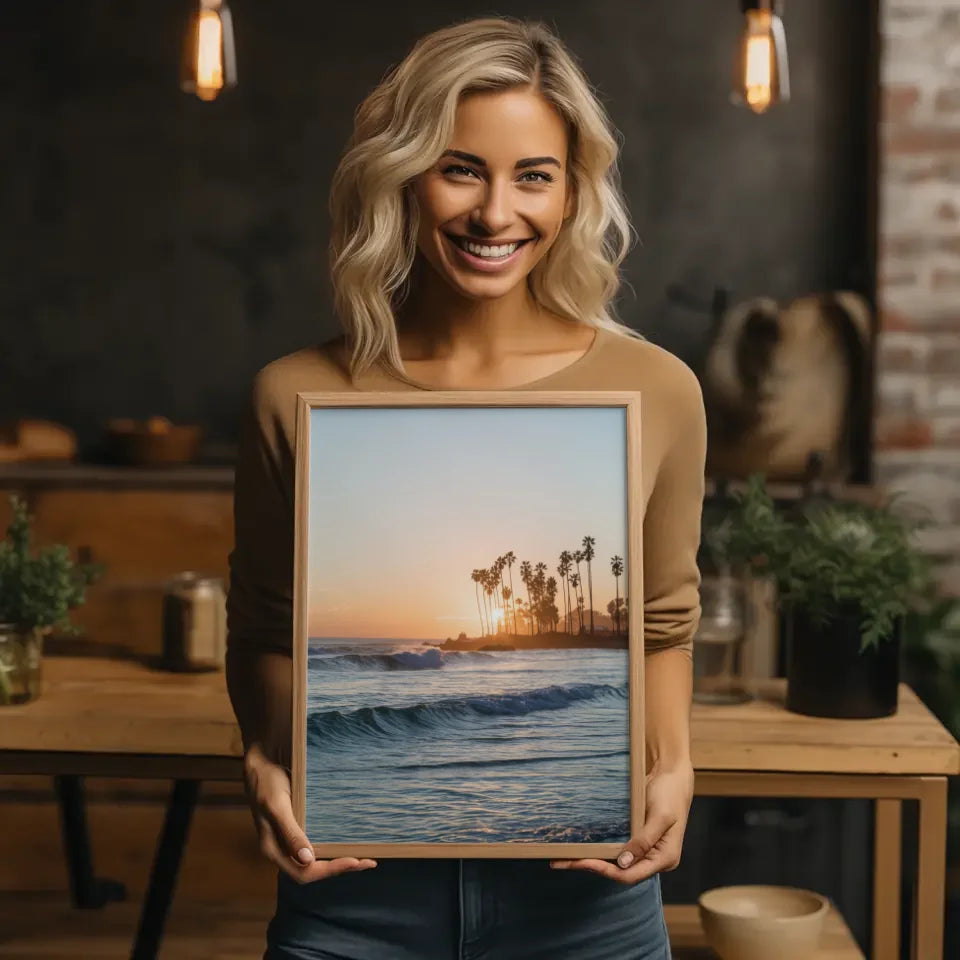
[[155, 250]]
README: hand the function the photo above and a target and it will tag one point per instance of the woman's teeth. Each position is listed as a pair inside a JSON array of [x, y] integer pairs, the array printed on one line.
[[482, 250]]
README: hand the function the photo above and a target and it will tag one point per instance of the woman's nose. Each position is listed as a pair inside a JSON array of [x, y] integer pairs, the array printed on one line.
[[493, 214]]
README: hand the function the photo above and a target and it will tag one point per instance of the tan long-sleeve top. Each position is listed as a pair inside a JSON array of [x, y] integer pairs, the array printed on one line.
[[673, 450]]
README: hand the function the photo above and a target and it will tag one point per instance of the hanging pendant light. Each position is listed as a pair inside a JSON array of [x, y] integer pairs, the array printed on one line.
[[209, 62], [761, 76]]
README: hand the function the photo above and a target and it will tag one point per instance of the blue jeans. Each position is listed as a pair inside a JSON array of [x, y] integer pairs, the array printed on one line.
[[467, 910]]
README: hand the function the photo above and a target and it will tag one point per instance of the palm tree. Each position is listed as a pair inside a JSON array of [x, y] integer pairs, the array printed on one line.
[[575, 582], [588, 555], [489, 581], [520, 607], [477, 577], [510, 559], [572, 591], [525, 574], [578, 559], [541, 583], [551, 602], [616, 567], [499, 566], [564, 570]]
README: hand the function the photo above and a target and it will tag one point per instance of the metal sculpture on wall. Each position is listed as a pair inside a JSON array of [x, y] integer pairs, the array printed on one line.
[[782, 383]]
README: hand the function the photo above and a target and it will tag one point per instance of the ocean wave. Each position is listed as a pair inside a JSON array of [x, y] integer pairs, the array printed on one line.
[[336, 726], [430, 659], [614, 832], [511, 761]]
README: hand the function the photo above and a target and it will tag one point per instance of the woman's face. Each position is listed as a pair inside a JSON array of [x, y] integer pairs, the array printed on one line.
[[494, 203]]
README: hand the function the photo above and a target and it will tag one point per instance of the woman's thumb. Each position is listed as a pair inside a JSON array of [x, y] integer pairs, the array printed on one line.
[[304, 852], [293, 838]]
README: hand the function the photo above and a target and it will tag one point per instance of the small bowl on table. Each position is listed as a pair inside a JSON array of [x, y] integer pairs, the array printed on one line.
[[153, 443], [763, 922]]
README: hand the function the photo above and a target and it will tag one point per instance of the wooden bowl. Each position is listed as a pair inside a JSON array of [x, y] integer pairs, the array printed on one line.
[[763, 922], [154, 442]]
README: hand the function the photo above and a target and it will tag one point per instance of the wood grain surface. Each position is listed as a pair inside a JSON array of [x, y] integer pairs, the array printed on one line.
[[125, 706]]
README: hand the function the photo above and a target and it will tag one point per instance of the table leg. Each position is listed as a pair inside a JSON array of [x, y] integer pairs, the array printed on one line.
[[929, 900], [166, 864], [86, 890], [887, 834]]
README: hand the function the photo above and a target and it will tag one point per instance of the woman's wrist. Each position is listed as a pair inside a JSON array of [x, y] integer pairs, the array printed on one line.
[[668, 761]]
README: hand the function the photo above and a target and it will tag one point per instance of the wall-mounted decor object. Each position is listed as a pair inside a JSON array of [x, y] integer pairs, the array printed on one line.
[[761, 74], [209, 63], [783, 382], [458, 690]]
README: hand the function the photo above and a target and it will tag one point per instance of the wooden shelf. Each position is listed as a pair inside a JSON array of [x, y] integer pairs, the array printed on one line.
[[688, 942], [90, 476]]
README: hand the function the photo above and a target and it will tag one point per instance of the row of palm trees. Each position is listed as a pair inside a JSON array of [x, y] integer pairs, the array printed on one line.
[[498, 603]]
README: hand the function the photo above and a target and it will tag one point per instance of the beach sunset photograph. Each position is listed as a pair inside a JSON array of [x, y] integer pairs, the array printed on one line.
[[467, 614]]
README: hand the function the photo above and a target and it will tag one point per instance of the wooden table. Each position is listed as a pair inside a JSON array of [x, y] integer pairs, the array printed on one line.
[[759, 749], [99, 717]]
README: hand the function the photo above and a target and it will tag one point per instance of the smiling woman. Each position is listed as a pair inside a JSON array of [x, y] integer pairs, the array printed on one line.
[[477, 229], [485, 217], [487, 153]]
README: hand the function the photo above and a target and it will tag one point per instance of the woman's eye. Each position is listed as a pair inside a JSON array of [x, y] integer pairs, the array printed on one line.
[[541, 175]]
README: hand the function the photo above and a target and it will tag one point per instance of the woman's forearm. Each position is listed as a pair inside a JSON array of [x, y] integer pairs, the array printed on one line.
[[260, 686], [668, 688]]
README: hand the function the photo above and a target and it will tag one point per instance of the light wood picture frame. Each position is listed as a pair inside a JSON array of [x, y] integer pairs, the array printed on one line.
[[451, 697]]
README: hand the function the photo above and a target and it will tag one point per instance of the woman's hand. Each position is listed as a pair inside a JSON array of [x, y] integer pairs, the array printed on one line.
[[281, 839], [657, 846]]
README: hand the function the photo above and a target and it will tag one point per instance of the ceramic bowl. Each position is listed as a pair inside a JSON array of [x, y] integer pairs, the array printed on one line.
[[763, 922], [154, 442]]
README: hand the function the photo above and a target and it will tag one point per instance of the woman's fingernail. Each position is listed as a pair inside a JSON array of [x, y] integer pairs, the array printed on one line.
[[626, 858], [305, 855]]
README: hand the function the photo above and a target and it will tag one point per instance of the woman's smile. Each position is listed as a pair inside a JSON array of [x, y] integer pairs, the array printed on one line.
[[486, 255]]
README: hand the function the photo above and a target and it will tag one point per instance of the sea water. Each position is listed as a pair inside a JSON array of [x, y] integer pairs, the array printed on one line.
[[410, 743]]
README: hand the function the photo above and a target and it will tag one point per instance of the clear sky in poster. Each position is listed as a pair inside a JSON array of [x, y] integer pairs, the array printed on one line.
[[405, 503]]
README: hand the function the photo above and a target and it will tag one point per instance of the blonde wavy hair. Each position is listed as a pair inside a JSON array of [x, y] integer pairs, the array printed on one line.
[[400, 131]]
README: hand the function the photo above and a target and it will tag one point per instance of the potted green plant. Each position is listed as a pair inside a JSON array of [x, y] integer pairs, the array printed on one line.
[[847, 574], [37, 593]]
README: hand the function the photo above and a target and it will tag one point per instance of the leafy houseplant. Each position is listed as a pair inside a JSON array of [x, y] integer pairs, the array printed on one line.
[[847, 574], [37, 593]]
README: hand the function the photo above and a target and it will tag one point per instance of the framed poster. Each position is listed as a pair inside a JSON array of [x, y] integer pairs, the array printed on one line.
[[468, 670]]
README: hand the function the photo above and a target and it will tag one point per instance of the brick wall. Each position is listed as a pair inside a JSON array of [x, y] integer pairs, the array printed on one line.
[[917, 426]]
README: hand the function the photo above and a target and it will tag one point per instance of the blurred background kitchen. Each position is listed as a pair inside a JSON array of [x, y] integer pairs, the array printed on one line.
[[165, 235]]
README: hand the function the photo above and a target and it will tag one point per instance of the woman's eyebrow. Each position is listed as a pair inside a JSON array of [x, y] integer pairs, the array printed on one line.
[[519, 165]]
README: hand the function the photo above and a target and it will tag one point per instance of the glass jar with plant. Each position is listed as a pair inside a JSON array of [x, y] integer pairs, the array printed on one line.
[[847, 573], [37, 592]]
